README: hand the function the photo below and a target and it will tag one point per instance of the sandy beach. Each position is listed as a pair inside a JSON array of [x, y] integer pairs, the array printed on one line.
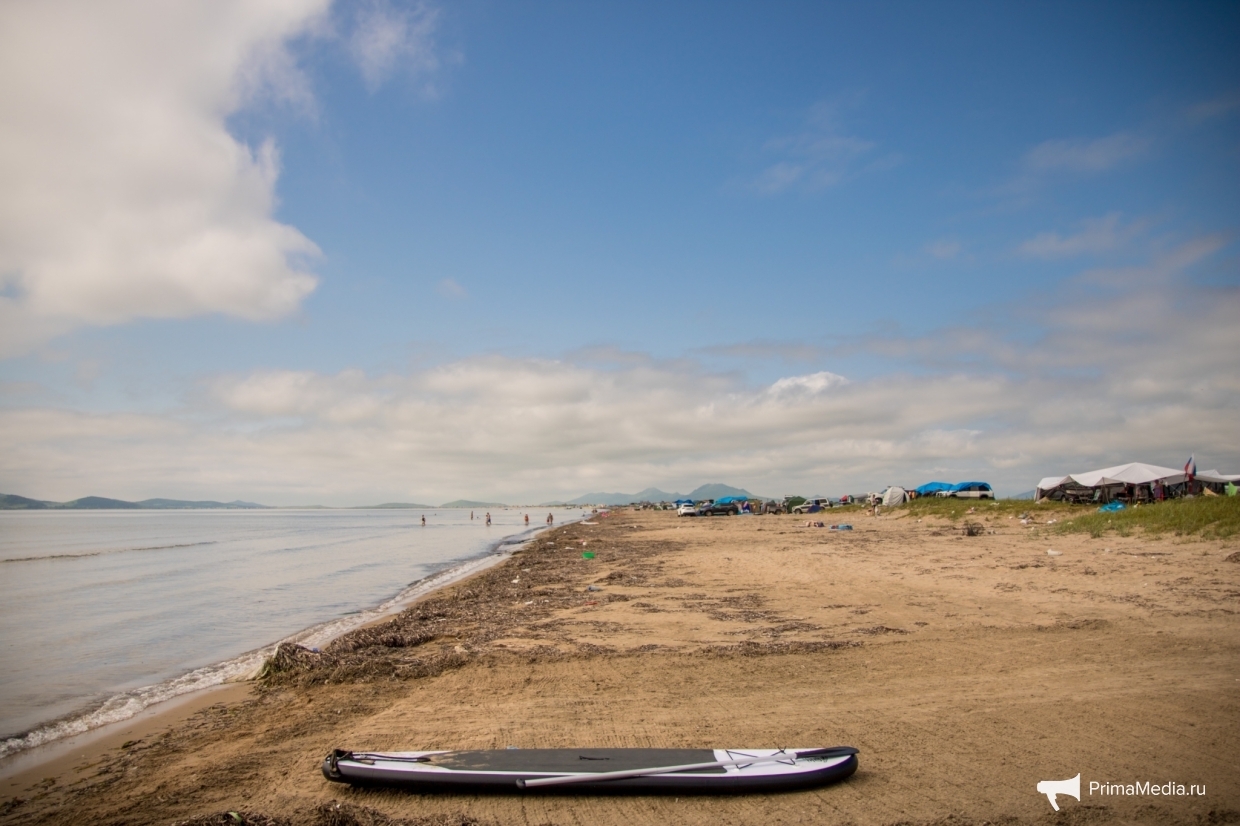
[[965, 668]]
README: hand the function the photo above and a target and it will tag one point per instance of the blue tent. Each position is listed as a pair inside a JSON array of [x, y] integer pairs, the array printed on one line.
[[931, 488], [683, 502], [967, 485], [727, 500]]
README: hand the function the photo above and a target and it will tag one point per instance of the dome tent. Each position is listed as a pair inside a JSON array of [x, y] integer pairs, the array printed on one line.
[[894, 495]]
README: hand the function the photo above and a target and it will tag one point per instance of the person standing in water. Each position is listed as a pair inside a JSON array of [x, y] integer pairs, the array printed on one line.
[[471, 516], [488, 519], [424, 520], [527, 519], [550, 519]]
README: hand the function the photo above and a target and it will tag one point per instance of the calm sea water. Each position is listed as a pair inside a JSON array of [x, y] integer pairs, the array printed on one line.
[[103, 613]]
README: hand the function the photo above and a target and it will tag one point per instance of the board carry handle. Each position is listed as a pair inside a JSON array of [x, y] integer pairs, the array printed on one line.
[[564, 779]]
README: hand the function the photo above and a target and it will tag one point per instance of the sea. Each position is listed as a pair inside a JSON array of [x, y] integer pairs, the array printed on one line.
[[106, 613]]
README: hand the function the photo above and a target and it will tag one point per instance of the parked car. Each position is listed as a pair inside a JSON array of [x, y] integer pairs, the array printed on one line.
[[813, 505], [687, 510], [968, 490], [726, 509]]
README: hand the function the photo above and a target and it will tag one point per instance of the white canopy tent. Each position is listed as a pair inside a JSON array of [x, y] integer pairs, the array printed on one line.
[[1215, 476], [1133, 473]]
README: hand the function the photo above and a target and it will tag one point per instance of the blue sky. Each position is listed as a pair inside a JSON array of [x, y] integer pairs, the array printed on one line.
[[346, 253]]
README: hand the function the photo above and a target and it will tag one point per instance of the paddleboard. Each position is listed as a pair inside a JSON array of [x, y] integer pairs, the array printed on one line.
[[595, 770]]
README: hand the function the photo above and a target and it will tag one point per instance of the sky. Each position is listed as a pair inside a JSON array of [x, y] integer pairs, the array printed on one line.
[[297, 251]]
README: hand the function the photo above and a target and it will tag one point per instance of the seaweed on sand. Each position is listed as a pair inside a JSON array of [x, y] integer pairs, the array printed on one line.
[[451, 627]]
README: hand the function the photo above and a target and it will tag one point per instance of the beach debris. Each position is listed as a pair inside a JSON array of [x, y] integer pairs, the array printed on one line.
[[243, 817], [841, 527], [973, 529], [1049, 552], [875, 630], [515, 581], [587, 554], [593, 588]]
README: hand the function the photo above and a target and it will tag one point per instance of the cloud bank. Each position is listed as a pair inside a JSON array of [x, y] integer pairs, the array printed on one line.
[[1132, 364]]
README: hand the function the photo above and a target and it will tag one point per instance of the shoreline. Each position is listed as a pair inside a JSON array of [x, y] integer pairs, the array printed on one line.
[[965, 668], [242, 669]]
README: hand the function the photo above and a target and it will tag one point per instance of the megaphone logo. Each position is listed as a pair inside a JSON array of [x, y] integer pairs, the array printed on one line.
[[1050, 788]]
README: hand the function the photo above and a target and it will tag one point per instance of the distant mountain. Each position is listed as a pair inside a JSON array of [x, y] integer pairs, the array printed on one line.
[[712, 491], [718, 491], [469, 503], [10, 501], [98, 503], [603, 499], [655, 495], [399, 505]]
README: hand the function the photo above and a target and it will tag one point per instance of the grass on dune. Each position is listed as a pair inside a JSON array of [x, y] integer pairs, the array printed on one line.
[[955, 509], [1210, 517]]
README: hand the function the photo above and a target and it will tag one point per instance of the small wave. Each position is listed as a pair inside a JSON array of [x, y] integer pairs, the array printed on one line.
[[128, 704], [113, 551]]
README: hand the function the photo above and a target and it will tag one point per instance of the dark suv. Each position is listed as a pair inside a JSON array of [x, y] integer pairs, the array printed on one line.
[[727, 509]]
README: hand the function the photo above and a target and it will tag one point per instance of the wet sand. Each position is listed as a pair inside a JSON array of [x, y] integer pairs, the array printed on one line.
[[965, 668]]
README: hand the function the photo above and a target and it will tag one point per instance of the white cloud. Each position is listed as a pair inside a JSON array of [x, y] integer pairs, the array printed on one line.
[[810, 384], [1096, 235], [817, 157], [1080, 155], [449, 288], [386, 38], [1217, 107], [122, 193]]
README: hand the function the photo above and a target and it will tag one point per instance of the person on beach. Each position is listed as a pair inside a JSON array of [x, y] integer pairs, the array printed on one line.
[[488, 519], [527, 520], [550, 520]]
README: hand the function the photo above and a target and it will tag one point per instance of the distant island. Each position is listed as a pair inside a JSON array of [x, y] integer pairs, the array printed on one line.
[[9, 501], [469, 503]]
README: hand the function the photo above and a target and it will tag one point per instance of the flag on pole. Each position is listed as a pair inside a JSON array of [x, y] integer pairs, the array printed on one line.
[[1190, 467]]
